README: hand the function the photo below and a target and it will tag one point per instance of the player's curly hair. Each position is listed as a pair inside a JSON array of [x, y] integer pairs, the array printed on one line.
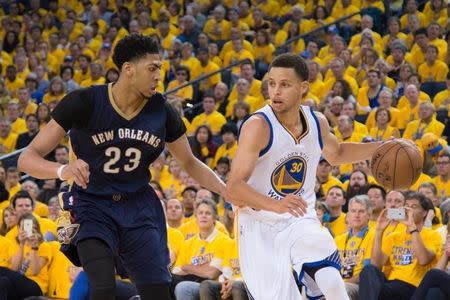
[[134, 47]]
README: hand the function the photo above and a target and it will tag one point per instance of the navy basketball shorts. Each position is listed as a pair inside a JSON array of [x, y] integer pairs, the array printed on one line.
[[133, 225]]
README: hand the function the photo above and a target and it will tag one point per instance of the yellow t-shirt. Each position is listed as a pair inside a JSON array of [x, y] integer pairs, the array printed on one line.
[[198, 252], [211, 81], [232, 56], [90, 82], [6, 251], [382, 135], [50, 98], [184, 93], [351, 81], [338, 226], [403, 102], [19, 126], [47, 227], [193, 64], [255, 91], [13, 190], [404, 20], [190, 228], [41, 278], [442, 100], [79, 76], [9, 143], [422, 178], [228, 46], [223, 151], [371, 122], [436, 72], [332, 181], [416, 129], [41, 209], [59, 283], [264, 53], [13, 86], [231, 262], [443, 187], [408, 114], [30, 109], [215, 121], [175, 239], [217, 35], [355, 251], [398, 247], [253, 102]]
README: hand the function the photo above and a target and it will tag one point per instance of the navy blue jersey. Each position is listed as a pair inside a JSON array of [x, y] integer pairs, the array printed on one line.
[[118, 149]]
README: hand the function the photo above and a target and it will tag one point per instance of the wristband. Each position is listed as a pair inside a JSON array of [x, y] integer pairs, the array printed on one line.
[[59, 172], [415, 230]]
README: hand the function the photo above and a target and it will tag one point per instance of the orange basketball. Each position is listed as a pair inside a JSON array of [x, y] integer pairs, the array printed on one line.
[[397, 164]]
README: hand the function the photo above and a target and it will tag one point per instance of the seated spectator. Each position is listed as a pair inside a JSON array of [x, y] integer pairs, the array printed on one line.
[[229, 133], [174, 213], [382, 130], [241, 111], [9, 220], [411, 254], [355, 246], [25, 138], [429, 190], [324, 177], [230, 284], [43, 115], [8, 139], [189, 195], [436, 283], [426, 123], [26, 105], [433, 69], [385, 100], [12, 181], [67, 74], [377, 201], [29, 263], [442, 180], [33, 189], [202, 144], [182, 76], [210, 116], [201, 257], [335, 200], [56, 90]]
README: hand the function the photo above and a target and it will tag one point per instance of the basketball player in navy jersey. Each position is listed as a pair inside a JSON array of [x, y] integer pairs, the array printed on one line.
[[116, 132], [275, 166]]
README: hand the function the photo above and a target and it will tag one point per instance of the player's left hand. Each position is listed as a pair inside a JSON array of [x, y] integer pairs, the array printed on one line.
[[227, 285]]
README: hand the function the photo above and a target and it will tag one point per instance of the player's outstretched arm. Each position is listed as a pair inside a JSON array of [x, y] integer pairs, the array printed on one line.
[[337, 153], [253, 138], [32, 161], [182, 152]]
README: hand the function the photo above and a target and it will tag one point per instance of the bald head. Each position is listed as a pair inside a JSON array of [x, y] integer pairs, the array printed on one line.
[[395, 199]]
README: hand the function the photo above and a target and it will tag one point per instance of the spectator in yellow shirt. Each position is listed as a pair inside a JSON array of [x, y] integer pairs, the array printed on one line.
[[26, 105], [174, 213], [96, 77], [263, 50], [56, 90], [236, 54], [411, 253], [8, 139], [207, 67], [414, 79], [382, 130], [28, 273], [182, 76], [411, 8], [228, 149], [442, 99], [385, 99], [324, 176], [8, 221], [411, 111], [242, 95], [18, 124], [377, 202], [355, 246], [201, 257], [433, 69], [202, 144], [337, 66], [210, 116], [335, 200], [426, 123], [217, 28], [12, 82], [442, 180]]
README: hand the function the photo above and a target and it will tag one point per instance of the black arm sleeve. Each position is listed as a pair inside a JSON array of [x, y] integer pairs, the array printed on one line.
[[174, 124], [74, 110]]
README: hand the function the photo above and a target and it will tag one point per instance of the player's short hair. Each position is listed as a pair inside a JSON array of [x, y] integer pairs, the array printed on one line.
[[134, 47], [21, 194], [291, 61]]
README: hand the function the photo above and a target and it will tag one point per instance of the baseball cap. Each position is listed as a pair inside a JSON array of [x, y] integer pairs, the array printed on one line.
[[68, 58], [106, 46], [430, 143], [333, 29]]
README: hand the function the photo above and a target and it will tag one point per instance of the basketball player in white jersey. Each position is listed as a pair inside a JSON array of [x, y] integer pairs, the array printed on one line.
[[272, 180]]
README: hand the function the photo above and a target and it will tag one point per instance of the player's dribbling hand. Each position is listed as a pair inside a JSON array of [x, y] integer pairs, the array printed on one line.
[[293, 204], [78, 171]]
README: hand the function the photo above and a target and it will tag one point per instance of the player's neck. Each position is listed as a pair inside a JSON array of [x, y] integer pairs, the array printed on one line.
[[290, 119], [125, 99]]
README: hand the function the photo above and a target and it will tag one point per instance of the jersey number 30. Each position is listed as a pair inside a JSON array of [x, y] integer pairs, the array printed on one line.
[[114, 155]]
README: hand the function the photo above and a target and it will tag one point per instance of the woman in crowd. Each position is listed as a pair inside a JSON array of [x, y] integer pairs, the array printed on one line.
[[383, 131], [9, 220]]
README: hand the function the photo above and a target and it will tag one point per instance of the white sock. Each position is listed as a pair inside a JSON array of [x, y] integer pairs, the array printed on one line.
[[330, 282]]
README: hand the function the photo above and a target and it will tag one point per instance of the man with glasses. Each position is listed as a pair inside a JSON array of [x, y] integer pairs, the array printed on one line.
[[442, 180]]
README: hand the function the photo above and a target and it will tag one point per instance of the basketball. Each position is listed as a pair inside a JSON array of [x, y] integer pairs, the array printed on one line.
[[397, 164]]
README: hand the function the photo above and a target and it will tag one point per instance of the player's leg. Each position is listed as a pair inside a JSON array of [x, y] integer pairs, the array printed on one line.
[[98, 262], [315, 258]]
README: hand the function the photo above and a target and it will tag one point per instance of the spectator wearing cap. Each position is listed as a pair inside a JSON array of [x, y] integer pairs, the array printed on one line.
[[228, 149], [432, 146], [426, 123], [442, 180], [182, 76], [324, 176], [207, 67], [433, 70]]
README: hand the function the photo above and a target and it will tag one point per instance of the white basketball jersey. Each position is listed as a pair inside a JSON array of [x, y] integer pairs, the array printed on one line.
[[287, 165]]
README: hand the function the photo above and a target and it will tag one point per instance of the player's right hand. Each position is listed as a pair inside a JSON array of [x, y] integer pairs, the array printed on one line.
[[293, 204], [78, 171]]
